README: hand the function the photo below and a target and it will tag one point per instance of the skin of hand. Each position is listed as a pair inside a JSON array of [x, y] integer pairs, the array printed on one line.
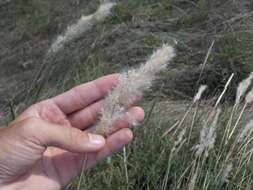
[[45, 146]]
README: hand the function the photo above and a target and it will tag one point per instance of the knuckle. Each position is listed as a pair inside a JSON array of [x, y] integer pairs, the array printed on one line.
[[91, 115], [78, 94], [75, 136]]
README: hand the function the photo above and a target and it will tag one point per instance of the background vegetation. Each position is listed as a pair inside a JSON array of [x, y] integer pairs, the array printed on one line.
[[125, 39]]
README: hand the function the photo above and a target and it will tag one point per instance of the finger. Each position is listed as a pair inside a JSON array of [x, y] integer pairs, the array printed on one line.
[[86, 117], [113, 144], [85, 94], [134, 116], [78, 162], [67, 138], [90, 115]]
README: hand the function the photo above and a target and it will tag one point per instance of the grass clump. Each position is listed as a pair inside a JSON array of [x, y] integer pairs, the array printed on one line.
[[197, 151]]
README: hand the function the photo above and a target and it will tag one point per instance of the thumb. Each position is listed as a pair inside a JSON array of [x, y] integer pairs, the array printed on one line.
[[68, 138]]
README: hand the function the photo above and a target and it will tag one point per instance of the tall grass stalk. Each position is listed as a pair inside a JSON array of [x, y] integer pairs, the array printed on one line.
[[237, 121], [229, 130], [224, 90], [177, 146], [125, 166], [196, 99], [205, 61], [241, 90], [84, 164], [194, 175]]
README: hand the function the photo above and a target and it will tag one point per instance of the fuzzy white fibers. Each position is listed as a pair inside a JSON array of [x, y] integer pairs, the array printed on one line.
[[131, 85], [84, 24]]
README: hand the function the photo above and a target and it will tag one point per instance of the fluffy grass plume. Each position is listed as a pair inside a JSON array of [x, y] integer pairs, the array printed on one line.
[[249, 97], [201, 90], [243, 87], [83, 24], [246, 132], [208, 136], [226, 172], [132, 84]]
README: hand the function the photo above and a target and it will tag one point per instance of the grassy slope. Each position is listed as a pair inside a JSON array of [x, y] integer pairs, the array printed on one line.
[[124, 40], [137, 27]]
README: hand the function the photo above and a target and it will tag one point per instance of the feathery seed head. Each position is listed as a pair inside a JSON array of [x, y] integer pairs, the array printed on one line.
[[131, 119], [249, 97], [243, 87], [246, 132], [180, 137], [162, 55], [207, 137], [226, 173], [84, 24], [103, 11], [131, 85], [159, 59], [179, 141], [201, 90]]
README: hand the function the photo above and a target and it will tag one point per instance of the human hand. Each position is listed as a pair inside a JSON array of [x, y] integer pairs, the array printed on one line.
[[45, 146]]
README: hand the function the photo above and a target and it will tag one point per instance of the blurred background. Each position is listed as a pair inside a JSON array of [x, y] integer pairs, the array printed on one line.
[[123, 40]]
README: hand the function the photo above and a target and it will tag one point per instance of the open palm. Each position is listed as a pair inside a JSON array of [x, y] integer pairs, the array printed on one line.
[[53, 167]]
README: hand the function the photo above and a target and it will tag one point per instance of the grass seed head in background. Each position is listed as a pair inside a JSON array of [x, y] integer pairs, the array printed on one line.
[[83, 24], [246, 132], [207, 136], [249, 97], [226, 173], [243, 87], [201, 90], [132, 84], [103, 11]]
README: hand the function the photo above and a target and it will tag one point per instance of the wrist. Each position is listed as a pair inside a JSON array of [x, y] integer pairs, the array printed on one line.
[[12, 187], [19, 186]]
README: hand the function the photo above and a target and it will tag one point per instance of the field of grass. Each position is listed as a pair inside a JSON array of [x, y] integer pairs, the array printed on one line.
[[213, 39]]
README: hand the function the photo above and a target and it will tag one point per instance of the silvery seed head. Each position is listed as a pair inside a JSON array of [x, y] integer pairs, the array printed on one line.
[[243, 87], [249, 97], [201, 90], [207, 137], [84, 24], [132, 84], [247, 130], [226, 172]]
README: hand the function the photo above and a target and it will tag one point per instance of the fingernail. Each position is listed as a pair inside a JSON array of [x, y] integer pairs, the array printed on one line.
[[96, 139]]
